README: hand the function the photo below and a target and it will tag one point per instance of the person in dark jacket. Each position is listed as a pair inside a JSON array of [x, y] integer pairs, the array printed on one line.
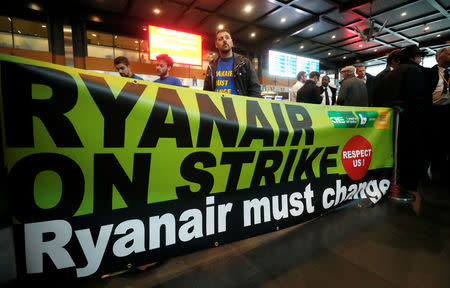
[[310, 92], [368, 79], [382, 93], [328, 92], [353, 91], [231, 73], [408, 87]]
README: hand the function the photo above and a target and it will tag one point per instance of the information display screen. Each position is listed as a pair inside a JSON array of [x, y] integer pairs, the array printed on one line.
[[288, 65], [183, 47]]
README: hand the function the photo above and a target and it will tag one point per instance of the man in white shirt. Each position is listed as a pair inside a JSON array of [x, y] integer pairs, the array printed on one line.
[[301, 79], [329, 93]]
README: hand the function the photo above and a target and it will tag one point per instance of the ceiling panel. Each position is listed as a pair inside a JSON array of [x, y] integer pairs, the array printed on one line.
[[302, 47], [380, 6], [414, 11], [169, 12], [107, 5], [427, 28], [335, 35], [211, 24], [434, 36], [360, 45], [284, 18], [316, 6], [389, 38], [246, 35], [209, 5], [418, 21], [343, 18], [316, 29], [236, 9]]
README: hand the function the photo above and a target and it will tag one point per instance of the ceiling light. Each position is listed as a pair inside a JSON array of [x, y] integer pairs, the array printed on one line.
[[253, 34], [334, 36], [283, 20], [95, 35], [329, 53], [360, 45], [439, 35], [145, 28], [345, 57], [44, 26], [135, 41], [220, 26], [34, 6], [301, 47], [403, 14], [426, 28], [248, 8], [156, 11], [310, 29], [375, 50]]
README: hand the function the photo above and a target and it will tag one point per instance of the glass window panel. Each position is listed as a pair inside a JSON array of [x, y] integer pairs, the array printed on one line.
[[126, 43], [31, 43], [99, 38], [100, 51], [5, 24], [130, 54], [32, 28]]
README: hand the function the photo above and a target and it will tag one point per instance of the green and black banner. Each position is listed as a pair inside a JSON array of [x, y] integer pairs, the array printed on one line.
[[106, 173]]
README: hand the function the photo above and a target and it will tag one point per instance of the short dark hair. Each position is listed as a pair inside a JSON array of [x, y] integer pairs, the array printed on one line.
[[314, 74], [300, 74], [394, 55], [223, 30], [166, 58], [122, 59]]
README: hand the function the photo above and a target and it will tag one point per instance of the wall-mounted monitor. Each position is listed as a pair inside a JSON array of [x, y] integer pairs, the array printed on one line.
[[184, 48], [288, 65]]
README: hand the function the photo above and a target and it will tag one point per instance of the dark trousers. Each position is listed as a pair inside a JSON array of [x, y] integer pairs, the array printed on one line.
[[412, 149], [440, 146]]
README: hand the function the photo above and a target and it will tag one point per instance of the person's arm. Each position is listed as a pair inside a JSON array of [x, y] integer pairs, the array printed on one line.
[[342, 94], [254, 89], [207, 84], [317, 97]]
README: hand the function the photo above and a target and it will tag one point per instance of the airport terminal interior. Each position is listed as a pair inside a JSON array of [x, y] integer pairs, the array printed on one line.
[[392, 243]]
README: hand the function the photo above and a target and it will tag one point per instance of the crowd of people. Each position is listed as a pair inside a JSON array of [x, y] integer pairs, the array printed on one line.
[[421, 94]]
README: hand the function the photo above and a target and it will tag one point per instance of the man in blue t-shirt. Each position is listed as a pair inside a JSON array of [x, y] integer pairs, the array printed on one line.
[[123, 67], [164, 64]]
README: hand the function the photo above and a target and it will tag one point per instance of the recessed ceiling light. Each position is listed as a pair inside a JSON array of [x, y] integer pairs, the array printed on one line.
[[329, 53], [345, 57], [248, 8], [403, 14], [135, 41], [145, 28], [360, 45], [334, 36], [283, 20], [427, 28], [301, 47], [311, 29], [95, 35], [375, 50], [253, 34], [220, 26], [44, 26], [439, 35], [156, 11]]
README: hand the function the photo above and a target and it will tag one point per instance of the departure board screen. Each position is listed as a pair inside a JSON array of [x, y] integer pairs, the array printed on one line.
[[288, 65]]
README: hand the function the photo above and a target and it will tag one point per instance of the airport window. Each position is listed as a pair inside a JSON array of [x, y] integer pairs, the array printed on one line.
[[5, 32], [30, 35], [100, 44], [23, 34], [126, 46]]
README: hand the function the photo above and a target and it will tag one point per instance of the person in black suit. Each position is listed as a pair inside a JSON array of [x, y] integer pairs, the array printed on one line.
[[439, 92], [310, 92], [368, 79], [382, 93], [328, 92]]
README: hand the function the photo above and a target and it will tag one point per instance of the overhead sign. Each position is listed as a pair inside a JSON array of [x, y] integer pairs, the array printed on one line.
[[105, 173], [185, 48]]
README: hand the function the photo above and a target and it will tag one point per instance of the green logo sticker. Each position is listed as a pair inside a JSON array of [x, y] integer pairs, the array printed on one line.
[[343, 119]]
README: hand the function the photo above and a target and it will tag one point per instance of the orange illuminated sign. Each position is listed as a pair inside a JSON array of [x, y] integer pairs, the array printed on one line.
[[185, 48]]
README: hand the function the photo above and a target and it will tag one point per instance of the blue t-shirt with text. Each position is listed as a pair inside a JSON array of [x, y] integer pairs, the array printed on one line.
[[224, 76], [169, 80]]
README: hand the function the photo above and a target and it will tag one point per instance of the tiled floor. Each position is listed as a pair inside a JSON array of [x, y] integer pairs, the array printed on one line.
[[389, 245]]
